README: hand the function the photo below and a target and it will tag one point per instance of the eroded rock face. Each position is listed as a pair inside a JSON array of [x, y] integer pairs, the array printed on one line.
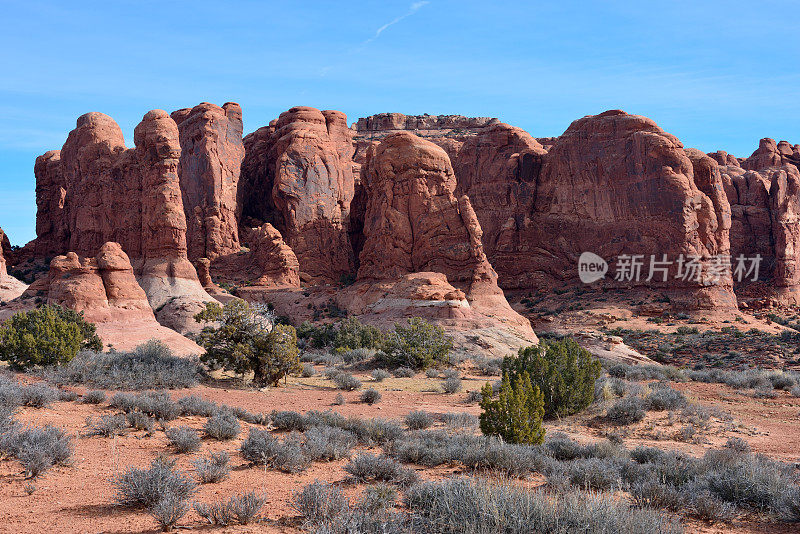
[[398, 121], [763, 194], [104, 288], [617, 184], [422, 251], [269, 263], [52, 230], [497, 169], [210, 163], [97, 191], [448, 131], [298, 175], [10, 287], [771, 154], [5, 250]]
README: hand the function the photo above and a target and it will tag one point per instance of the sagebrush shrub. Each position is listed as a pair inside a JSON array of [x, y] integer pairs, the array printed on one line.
[[223, 425], [404, 372], [245, 507], [150, 365], [183, 438], [212, 468], [666, 398], [475, 506], [289, 420], [140, 421], [371, 396], [94, 397], [380, 375], [145, 487], [217, 513], [106, 426], [418, 420], [377, 498], [328, 443], [287, 455], [157, 404], [563, 371], [451, 385], [366, 467], [37, 449], [346, 382], [320, 502], [194, 405], [460, 420], [38, 395], [627, 410], [168, 510]]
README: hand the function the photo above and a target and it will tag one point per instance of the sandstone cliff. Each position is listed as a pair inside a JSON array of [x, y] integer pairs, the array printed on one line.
[[298, 176], [95, 190], [422, 253], [210, 163], [10, 287], [764, 193], [616, 184]]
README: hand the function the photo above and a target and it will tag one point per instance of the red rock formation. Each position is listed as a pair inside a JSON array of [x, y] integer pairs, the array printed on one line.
[[497, 169], [723, 158], [269, 263], [447, 131], [298, 176], [52, 230], [769, 154], [617, 184], [5, 250], [97, 191], [105, 290], [10, 287], [386, 122], [165, 273], [763, 194], [210, 162], [422, 252]]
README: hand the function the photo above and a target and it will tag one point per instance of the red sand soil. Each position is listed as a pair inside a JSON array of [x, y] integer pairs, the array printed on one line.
[[79, 497]]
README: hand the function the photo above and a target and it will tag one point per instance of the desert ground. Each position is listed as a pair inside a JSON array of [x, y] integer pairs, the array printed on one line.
[[80, 496]]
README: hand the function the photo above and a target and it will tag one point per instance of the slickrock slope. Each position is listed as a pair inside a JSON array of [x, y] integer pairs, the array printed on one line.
[[617, 184], [105, 290], [210, 162], [10, 287], [298, 175], [422, 252], [764, 193]]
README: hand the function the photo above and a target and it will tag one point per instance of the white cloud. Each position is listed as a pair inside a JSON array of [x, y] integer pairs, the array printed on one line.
[[416, 6]]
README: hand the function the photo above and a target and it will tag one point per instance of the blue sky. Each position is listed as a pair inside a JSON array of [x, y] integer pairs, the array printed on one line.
[[719, 75]]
